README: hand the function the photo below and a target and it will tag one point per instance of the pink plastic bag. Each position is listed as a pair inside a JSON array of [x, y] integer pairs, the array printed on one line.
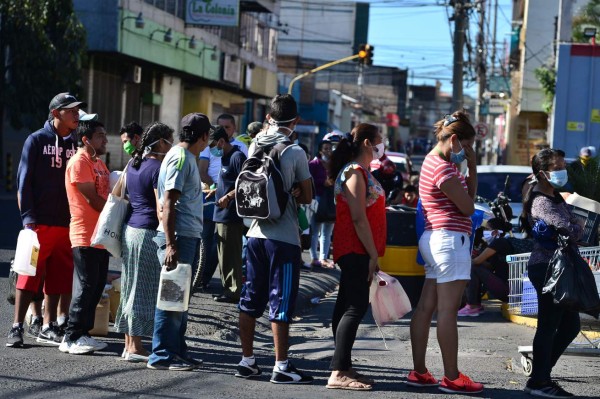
[[388, 300]]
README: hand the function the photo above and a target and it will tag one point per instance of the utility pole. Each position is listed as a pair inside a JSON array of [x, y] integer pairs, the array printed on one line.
[[494, 37], [459, 43], [360, 91], [481, 61]]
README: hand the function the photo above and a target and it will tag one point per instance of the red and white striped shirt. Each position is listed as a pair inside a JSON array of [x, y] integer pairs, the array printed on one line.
[[439, 211]]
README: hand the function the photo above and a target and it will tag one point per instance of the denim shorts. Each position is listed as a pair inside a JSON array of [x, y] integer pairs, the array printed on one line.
[[447, 255]]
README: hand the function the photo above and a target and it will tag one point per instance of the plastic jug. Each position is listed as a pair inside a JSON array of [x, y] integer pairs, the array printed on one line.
[[26, 255], [174, 288]]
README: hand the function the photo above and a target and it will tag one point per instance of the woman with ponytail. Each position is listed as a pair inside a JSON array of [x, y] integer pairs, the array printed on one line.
[[358, 241], [141, 269]]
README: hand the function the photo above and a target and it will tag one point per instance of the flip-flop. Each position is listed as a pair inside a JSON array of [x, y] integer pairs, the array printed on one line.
[[346, 383], [364, 379]]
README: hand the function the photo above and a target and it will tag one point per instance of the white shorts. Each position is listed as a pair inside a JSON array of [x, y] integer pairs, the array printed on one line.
[[447, 255]]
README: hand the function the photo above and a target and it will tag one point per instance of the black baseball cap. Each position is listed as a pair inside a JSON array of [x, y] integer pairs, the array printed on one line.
[[217, 134], [65, 100], [196, 122], [254, 128]]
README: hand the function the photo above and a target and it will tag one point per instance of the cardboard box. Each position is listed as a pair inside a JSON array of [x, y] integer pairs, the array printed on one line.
[[115, 297], [102, 315]]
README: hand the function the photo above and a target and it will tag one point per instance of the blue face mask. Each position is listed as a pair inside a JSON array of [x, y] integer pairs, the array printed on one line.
[[557, 178], [216, 152], [458, 157]]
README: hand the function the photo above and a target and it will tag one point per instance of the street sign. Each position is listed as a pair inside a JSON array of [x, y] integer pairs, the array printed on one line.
[[497, 105], [481, 130]]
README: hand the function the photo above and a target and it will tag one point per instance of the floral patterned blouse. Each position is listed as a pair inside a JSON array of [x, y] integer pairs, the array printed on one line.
[[345, 239]]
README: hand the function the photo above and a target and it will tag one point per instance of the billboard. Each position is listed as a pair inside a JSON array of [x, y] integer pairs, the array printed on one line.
[[212, 12]]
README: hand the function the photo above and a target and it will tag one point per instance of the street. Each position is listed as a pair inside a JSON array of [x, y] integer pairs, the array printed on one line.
[[487, 353]]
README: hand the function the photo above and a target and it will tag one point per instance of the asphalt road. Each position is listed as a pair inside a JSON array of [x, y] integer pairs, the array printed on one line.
[[487, 353]]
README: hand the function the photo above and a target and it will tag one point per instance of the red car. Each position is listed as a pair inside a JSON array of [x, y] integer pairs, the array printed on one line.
[[393, 162]]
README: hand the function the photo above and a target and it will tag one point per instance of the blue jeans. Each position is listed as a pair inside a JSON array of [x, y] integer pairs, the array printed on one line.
[[320, 234], [168, 340]]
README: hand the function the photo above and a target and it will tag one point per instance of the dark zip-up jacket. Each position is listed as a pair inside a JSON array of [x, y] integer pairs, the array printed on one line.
[[41, 177]]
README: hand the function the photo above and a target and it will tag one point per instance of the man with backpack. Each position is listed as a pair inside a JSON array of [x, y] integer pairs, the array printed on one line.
[[274, 254]]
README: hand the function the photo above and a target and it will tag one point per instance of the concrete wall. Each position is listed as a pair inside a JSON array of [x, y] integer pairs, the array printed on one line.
[[538, 38], [170, 110]]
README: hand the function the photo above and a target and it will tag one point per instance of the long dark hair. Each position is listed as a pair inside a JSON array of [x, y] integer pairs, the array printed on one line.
[[540, 162], [154, 132], [349, 146]]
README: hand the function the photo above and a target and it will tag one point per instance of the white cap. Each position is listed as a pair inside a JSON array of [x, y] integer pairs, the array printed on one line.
[[84, 116]]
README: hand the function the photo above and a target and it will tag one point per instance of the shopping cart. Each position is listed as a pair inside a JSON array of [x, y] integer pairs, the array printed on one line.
[[522, 301]]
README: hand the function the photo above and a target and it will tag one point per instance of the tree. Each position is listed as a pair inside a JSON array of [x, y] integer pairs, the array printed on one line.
[[588, 17], [547, 78], [43, 44]]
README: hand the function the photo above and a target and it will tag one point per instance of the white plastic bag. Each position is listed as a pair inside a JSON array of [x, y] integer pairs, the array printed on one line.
[[27, 252], [110, 222], [174, 288], [388, 300]]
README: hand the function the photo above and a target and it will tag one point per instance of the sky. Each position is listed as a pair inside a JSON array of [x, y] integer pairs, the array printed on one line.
[[415, 34]]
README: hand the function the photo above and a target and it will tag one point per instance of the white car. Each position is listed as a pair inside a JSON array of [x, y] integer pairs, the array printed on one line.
[[491, 180]]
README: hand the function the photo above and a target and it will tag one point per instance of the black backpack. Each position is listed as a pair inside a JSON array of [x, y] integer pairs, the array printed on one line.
[[259, 189]]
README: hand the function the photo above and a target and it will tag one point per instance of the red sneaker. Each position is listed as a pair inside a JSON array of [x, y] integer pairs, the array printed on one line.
[[415, 379], [462, 384]]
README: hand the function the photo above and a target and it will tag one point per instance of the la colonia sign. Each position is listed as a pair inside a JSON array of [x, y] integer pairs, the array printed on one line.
[[212, 12]]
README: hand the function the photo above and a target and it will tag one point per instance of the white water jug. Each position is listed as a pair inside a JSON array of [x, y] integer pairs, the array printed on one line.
[[174, 288], [26, 255]]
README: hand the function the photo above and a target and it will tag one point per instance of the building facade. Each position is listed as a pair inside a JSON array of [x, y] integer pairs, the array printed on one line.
[[152, 60]]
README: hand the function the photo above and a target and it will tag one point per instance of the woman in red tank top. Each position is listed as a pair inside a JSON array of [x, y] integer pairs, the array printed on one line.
[[358, 241]]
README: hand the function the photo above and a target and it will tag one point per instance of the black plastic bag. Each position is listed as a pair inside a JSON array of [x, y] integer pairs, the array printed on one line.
[[326, 209], [570, 280]]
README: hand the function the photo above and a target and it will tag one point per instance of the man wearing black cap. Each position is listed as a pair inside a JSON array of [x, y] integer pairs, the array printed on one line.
[[230, 227], [178, 237], [44, 208]]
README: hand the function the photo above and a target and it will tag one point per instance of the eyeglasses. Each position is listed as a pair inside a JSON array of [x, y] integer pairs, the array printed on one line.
[[449, 119]]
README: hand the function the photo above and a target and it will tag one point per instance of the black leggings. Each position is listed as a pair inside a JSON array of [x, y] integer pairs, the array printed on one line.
[[556, 327], [351, 305]]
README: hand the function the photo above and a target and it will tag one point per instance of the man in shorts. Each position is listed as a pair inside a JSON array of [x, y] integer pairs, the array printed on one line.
[[44, 208], [274, 254]]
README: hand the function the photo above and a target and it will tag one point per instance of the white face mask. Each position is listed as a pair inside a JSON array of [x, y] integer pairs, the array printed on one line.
[[378, 150], [487, 235]]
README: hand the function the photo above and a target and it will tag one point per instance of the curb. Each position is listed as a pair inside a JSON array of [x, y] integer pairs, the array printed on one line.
[[532, 322], [315, 283]]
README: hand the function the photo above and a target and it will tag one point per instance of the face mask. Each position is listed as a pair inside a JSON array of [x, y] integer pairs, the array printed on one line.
[[459, 156], [128, 147], [557, 178], [325, 158], [488, 235], [216, 152], [378, 150]]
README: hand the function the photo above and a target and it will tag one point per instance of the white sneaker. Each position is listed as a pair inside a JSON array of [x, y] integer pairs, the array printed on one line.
[[65, 346], [79, 347], [97, 345]]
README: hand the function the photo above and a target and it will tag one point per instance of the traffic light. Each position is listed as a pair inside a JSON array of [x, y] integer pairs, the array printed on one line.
[[362, 53], [365, 54], [369, 58]]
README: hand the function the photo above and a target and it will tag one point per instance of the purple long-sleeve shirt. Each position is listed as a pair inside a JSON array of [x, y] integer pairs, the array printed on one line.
[[555, 212], [319, 175]]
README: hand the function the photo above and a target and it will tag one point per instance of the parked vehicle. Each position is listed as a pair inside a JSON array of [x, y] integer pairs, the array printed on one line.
[[492, 182], [401, 160]]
